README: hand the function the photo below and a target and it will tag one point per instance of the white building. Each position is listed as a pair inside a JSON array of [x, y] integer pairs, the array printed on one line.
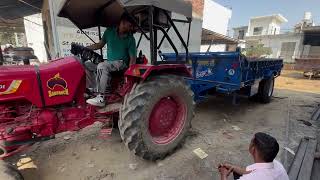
[[215, 18], [265, 25], [266, 30], [240, 32]]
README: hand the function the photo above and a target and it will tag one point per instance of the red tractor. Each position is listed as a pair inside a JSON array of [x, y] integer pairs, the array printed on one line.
[[152, 102]]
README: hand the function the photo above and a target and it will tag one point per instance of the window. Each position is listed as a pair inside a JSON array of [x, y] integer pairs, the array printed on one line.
[[257, 30], [241, 34]]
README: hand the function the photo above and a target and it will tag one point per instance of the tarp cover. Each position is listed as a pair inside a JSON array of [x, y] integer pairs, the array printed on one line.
[[85, 14]]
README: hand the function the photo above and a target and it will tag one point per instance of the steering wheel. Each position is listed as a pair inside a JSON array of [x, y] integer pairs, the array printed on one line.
[[86, 54]]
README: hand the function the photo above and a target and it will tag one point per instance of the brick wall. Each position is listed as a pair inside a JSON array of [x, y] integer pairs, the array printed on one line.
[[197, 6]]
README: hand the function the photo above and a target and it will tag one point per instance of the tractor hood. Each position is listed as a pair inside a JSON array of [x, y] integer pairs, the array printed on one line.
[[106, 13]]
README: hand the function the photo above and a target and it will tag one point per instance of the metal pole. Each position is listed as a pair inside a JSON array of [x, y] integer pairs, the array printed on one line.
[[189, 33], [155, 41], [139, 41], [1, 57], [179, 36], [162, 39], [54, 30], [152, 55], [87, 35], [99, 29]]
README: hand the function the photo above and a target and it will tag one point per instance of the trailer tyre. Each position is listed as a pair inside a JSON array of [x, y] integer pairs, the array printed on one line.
[[265, 92], [156, 116]]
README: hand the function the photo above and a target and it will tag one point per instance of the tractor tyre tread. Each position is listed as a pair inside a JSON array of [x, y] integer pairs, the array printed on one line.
[[263, 92], [133, 108], [9, 172]]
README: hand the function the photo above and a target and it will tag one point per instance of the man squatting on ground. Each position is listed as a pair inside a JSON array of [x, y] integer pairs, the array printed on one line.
[[264, 149]]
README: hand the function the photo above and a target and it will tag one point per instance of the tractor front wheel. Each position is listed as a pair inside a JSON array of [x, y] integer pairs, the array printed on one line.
[[156, 116]]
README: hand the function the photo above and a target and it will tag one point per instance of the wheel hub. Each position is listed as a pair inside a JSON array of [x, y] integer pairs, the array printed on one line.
[[166, 120]]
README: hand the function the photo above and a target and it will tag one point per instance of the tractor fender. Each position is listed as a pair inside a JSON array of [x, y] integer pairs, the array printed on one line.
[[144, 71]]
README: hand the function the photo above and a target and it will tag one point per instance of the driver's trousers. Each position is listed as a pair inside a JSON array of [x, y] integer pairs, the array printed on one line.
[[98, 77], [104, 70]]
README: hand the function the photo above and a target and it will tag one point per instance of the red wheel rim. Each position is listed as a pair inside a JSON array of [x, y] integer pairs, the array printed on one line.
[[167, 119]]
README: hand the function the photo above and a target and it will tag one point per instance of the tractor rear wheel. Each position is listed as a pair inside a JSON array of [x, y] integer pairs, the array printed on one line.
[[9, 172], [156, 116]]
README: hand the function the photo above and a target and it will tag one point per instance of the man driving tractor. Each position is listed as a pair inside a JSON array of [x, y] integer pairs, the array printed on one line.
[[121, 53]]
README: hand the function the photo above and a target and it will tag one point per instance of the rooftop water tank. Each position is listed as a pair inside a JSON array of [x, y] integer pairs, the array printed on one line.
[[307, 16]]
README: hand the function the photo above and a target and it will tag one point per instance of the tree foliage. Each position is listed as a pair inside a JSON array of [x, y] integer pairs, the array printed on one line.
[[257, 50]]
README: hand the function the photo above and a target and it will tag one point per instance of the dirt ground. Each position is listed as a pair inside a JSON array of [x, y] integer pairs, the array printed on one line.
[[222, 130]]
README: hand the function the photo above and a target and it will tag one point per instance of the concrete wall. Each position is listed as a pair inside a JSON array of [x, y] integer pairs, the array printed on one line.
[[35, 35], [270, 26], [312, 51], [216, 17]]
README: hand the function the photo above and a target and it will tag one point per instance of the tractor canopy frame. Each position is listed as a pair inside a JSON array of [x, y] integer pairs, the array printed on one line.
[[148, 16]]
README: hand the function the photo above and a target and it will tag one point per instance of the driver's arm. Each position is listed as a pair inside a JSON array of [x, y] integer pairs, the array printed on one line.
[[98, 45], [102, 42], [132, 51], [132, 60]]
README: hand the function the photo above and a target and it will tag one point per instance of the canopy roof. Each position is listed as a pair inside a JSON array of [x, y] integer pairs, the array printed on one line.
[[210, 37], [14, 9], [92, 13]]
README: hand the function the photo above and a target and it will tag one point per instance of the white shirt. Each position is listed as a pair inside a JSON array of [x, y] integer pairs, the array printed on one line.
[[266, 171]]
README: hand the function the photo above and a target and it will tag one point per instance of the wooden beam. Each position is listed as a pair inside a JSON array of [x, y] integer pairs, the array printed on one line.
[[298, 159], [307, 164], [315, 175]]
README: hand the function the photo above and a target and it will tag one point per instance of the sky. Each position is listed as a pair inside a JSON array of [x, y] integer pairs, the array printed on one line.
[[293, 10]]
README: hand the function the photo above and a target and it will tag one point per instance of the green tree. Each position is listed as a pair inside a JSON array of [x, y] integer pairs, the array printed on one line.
[[257, 50]]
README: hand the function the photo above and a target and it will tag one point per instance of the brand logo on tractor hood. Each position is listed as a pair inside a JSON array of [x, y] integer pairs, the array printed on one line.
[[9, 87], [57, 86]]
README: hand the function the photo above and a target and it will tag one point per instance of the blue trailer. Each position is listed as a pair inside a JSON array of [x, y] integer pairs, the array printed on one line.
[[230, 73]]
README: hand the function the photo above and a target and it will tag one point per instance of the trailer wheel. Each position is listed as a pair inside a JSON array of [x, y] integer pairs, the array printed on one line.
[[156, 116], [265, 91], [9, 172]]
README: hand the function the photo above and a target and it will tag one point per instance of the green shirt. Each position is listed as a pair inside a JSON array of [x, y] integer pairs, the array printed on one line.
[[119, 48]]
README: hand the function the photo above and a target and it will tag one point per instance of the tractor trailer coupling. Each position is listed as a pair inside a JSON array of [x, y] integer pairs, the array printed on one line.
[[230, 73]]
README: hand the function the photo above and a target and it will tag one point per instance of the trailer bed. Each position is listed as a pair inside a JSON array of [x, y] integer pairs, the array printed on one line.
[[227, 72]]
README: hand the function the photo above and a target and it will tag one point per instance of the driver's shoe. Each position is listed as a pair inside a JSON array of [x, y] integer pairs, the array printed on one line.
[[97, 101]]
